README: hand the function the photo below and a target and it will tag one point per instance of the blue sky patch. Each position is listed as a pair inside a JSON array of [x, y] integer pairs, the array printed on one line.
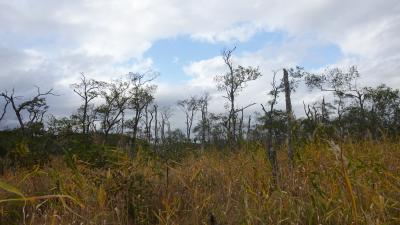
[[171, 55]]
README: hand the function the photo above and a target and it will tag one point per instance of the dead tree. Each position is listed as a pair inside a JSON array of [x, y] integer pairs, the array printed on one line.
[[203, 106], [324, 111], [240, 128], [166, 114], [290, 80], [289, 115], [4, 109], [189, 107], [318, 112], [149, 116]]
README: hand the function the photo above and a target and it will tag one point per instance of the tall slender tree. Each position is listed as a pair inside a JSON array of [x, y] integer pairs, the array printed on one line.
[[289, 115], [232, 83]]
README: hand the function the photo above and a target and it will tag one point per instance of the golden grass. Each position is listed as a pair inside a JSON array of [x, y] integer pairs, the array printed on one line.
[[362, 187]]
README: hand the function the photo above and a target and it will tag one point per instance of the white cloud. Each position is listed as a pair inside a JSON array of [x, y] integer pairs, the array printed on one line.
[[238, 32], [49, 43]]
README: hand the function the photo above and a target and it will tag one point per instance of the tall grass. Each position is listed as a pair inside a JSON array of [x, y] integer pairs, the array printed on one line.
[[354, 183]]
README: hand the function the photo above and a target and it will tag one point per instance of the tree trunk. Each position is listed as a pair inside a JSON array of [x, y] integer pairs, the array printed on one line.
[[155, 126], [146, 129], [248, 129], [232, 123], [241, 126], [19, 117], [134, 133], [190, 125], [289, 114], [203, 127], [84, 116], [162, 130], [273, 158]]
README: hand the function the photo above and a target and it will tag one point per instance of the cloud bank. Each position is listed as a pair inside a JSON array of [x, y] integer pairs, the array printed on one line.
[[48, 43]]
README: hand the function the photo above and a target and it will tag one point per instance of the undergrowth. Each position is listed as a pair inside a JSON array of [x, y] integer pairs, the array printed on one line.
[[348, 183]]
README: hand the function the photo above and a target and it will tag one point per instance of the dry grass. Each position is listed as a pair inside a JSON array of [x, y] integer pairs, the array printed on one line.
[[362, 187]]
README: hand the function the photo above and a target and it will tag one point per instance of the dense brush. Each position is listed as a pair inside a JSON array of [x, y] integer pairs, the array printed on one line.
[[342, 183]]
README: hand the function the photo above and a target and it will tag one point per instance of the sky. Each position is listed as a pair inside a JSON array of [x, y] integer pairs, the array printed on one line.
[[48, 43]]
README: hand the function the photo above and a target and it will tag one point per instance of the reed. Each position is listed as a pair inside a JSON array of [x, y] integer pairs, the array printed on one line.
[[356, 183]]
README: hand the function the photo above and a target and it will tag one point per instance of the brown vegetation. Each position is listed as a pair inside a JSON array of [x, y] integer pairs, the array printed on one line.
[[348, 183]]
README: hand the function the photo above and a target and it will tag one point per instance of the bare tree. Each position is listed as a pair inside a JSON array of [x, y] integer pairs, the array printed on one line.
[[166, 114], [290, 81], [87, 89], [189, 107], [4, 108], [325, 111], [34, 108], [311, 112], [241, 110], [232, 83], [204, 124], [149, 116], [318, 112]]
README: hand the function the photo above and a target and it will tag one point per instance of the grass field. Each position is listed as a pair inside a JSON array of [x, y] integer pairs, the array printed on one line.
[[348, 183]]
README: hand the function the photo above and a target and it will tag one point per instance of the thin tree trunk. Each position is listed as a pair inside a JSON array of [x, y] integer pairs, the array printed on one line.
[[149, 127], [155, 126], [232, 123], [248, 128], [203, 126], [162, 130], [289, 114], [241, 126], [273, 159], [134, 133], [146, 129], [19, 117], [84, 117]]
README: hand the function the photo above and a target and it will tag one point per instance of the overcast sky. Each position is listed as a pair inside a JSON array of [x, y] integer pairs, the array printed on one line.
[[48, 43]]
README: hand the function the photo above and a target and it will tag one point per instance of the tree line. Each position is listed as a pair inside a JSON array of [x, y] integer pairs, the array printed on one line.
[[123, 113]]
